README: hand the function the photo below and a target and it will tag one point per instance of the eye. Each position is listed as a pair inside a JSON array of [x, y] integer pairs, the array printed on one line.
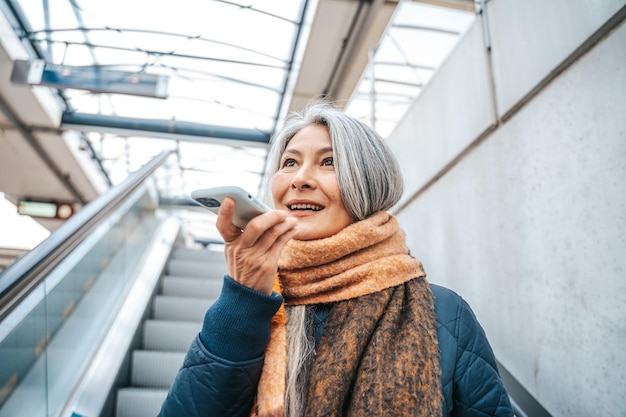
[[328, 161], [288, 162]]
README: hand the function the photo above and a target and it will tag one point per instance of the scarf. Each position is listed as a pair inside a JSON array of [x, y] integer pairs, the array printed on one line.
[[378, 354]]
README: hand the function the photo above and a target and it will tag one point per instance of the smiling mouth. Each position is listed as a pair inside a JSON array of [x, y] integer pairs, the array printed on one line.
[[311, 207]]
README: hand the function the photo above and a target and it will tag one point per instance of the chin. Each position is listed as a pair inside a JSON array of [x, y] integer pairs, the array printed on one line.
[[305, 236], [308, 234]]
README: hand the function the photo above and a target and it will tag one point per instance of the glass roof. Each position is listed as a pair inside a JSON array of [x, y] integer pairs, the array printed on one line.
[[417, 41], [228, 65]]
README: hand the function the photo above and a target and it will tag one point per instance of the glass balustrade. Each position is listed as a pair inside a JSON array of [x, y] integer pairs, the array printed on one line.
[[47, 342]]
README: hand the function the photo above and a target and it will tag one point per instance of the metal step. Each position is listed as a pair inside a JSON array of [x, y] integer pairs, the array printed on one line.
[[173, 336], [191, 287], [200, 269], [139, 402], [192, 281], [197, 255], [153, 369], [180, 308]]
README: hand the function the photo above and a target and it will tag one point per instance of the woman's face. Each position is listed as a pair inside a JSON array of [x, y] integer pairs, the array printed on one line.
[[306, 185]]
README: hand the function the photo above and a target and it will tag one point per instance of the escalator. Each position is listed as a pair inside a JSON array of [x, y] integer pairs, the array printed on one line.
[[95, 321], [192, 280]]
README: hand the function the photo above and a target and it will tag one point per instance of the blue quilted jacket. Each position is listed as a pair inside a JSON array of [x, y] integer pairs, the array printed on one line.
[[236, 327]]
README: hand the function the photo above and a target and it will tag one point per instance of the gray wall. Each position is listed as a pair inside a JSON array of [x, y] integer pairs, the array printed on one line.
[[515, 161]]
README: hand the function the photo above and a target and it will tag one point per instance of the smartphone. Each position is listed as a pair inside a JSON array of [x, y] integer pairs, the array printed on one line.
[[246, 205]]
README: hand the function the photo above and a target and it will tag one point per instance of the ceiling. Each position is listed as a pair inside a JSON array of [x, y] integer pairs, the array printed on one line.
[[233, 70]]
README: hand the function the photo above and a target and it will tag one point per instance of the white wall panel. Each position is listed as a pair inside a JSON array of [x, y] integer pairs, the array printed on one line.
[[454, 108], [531, 38], [530, 227]]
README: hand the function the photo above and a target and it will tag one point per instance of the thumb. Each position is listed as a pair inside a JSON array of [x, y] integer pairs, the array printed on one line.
[[224, 222]]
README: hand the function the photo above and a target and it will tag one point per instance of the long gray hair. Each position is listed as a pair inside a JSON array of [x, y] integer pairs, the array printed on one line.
[[370, 180], [369, 175]]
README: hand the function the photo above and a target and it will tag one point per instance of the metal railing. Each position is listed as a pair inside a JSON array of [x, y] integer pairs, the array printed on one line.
[[522, 401], [58, 301], [19, 278]]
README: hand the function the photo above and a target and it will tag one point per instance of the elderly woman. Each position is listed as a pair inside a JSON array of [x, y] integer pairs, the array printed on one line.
[[323, 311]]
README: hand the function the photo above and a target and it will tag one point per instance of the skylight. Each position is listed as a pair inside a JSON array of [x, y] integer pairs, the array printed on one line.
[[227, 65]]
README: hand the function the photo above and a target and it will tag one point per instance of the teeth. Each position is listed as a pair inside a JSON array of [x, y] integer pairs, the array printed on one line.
[[305, 207]]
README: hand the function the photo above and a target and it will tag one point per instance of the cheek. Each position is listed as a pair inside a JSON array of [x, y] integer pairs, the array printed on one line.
[[332, 190], [279, 186], [334, 193]]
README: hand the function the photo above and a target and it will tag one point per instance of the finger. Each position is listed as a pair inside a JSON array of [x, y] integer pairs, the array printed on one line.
[[224, 221], [272, 235], [279, 244], [268, 248], [263, 230]]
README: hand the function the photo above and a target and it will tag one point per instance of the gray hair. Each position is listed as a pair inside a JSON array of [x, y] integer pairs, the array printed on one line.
[[301, 352], [369, 175]]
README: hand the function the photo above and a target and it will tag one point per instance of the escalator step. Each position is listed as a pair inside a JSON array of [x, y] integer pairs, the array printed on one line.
[[180, 308], [173, 336], [153, 369], [197, 255], [191, 287], [199, 269], [139, 402]]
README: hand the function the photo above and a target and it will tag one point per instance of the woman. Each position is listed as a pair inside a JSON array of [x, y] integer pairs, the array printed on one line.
[[360, 332]]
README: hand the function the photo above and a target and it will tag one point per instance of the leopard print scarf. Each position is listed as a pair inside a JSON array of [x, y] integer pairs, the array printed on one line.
[[378, 354]]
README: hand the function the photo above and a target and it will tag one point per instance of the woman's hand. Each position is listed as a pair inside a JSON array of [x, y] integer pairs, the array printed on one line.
[[252, 255]]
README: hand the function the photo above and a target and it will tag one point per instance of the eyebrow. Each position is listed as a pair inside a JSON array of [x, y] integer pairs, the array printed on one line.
[[318, 152]]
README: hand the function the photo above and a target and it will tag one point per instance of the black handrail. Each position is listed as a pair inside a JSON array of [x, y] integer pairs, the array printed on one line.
[[22, 276]]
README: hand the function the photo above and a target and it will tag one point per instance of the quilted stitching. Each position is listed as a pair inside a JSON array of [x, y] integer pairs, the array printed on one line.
[[470, 380]]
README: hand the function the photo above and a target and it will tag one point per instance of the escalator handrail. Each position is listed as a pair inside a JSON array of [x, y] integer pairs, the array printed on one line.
[[23, 275]]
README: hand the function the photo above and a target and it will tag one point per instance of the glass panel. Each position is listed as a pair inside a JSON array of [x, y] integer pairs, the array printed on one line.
[[47, 342], [417, 41], [227, 64], [23, 338]]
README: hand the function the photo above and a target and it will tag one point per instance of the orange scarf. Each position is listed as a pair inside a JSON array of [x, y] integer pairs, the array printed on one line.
[[366, 258]]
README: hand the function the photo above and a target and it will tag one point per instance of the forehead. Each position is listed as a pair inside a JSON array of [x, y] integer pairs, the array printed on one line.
[[313, 136]]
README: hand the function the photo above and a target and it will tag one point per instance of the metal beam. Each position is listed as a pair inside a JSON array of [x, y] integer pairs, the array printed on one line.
[[167, 129], [89, 77], [465, 5], [351, 44]]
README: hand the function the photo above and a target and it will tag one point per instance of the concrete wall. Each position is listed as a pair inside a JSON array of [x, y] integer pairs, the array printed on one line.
[[516, 174]]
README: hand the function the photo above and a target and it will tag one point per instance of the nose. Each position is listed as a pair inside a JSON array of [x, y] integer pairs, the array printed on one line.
[[303, 179]]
